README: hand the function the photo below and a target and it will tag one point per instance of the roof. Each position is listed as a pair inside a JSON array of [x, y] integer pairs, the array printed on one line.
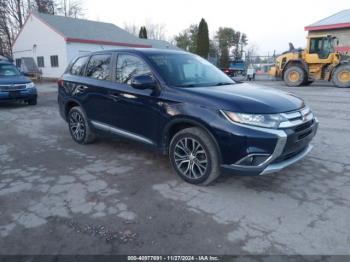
[[93, 32], [336, 21], [154, 51], [161, 44], [86, 31]]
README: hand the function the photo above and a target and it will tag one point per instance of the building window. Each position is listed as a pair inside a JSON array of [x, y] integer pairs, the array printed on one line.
[[18, 62], [99, 67], [40, 61], [54, 60]]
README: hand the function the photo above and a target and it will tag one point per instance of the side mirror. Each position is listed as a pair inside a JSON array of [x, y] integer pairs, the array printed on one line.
[[143, 82]]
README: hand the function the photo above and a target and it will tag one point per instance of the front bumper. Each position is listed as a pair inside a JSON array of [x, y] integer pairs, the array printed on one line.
[[24, 94], [290, 147], [276, 167]]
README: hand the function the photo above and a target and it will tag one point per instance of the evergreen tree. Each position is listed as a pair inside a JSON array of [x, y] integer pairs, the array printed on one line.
[[225, 38], [143, 32], [203, 39]]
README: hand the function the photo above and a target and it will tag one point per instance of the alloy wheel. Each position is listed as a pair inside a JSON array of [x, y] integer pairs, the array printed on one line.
[[77, 125], [190, 158]]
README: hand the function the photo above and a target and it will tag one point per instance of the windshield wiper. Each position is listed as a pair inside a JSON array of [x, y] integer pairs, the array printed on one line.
[[223, 83], [189, 85]]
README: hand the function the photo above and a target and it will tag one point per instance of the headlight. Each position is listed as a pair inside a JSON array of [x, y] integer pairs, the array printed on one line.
[[30, 85], [261, 120]]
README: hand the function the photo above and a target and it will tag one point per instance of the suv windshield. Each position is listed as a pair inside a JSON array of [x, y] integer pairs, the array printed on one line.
[[8, 70], [186, 70]]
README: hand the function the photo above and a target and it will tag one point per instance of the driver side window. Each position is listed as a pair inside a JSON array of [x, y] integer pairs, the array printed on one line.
[[129, 66], [321, 47]]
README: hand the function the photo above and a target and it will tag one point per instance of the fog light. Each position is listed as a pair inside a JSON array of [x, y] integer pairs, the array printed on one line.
[[253, 160]]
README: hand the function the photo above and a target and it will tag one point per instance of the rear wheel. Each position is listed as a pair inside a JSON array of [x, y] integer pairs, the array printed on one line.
[[341, 76], [294, 76], [194, 156], [79, 127]]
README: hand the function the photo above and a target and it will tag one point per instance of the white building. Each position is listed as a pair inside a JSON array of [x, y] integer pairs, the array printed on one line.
[[53, 41]]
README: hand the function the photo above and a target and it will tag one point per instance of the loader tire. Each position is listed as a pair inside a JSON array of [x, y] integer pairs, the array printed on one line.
[[341, 76], [294, 76]]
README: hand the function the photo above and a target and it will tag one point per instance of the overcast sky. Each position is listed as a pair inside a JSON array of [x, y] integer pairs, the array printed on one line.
[[269, 24]]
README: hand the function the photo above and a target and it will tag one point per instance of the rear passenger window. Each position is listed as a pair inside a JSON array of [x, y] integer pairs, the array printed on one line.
[[79, 66], [129, 66], [99, 67]]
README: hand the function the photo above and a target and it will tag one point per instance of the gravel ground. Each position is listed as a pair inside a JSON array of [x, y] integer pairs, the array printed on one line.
[[116, 197]]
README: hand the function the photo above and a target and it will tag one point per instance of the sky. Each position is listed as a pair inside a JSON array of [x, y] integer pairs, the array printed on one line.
[[270, 24]]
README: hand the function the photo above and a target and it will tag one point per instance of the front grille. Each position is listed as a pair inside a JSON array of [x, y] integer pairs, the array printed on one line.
[[7, 88], [302, 127], [298, 138], [296, 118], [288, 156]]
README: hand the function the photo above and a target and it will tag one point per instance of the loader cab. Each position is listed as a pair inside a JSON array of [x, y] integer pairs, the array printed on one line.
[[322, 46]]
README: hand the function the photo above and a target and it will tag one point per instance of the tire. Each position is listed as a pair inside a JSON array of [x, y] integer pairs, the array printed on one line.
[[341, 76], [200, 168], [32, 102], [77, 119], [294, 76]]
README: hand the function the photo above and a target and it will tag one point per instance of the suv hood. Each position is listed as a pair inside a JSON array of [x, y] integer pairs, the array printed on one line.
[[247, 98], [8, 80]]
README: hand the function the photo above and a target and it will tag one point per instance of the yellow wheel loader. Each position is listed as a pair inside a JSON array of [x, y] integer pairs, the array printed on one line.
[[318, 61]]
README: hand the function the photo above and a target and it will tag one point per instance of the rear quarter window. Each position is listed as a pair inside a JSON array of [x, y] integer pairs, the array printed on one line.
[[78, 67], [99, 67]]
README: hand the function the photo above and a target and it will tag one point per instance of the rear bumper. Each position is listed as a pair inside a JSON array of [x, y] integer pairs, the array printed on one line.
[[287, 152], [25, 94]]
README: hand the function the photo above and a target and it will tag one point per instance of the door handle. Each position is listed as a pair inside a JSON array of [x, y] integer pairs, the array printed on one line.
[[114, 97], [80, 89]]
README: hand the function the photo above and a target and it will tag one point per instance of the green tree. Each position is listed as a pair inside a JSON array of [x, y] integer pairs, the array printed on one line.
[[243, 42], [236, 42], [203, 39], [225, 38], [187, 39]]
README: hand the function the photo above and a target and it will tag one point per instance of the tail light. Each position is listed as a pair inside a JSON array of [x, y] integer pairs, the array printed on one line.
[[60, 82]]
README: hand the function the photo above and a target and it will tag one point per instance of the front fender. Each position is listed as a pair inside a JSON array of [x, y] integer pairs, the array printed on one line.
[[193, 119]]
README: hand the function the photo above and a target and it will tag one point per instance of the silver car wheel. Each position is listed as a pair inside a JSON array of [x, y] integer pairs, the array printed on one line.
[[77, 125], [190, 158]]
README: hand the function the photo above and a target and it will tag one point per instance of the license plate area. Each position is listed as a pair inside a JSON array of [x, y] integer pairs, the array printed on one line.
[[14, 94]]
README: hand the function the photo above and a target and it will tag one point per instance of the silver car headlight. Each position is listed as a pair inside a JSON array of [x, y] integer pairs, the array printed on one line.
[[30, 85], [261, 120]]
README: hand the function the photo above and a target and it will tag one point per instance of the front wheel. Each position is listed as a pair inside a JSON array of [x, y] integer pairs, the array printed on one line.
[[32, 102], [341, 76], [294, 76], [194, 156]]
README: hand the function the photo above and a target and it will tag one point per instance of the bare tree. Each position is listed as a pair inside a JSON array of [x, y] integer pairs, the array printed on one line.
[[11, 20], [131, 28], [45, 6], [155, 31], [70, 8]]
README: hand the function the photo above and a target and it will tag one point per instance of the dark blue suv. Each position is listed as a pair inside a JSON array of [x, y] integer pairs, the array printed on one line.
[[15, 86], [184, 106]]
